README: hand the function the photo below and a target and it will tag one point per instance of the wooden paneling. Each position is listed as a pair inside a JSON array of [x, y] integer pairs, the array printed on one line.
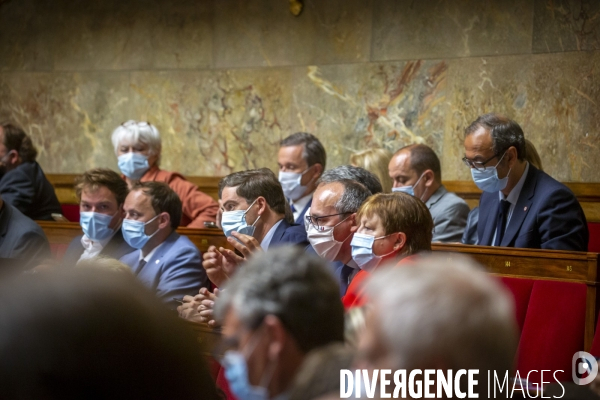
[[588, 194]]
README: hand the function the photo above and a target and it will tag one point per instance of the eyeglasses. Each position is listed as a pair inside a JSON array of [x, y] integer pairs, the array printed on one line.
[[479, 165], [314, 221]]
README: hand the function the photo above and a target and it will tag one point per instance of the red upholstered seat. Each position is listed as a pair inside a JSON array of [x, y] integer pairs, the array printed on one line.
[[553, 329], [70, 212], [521, 291], [594, 243]]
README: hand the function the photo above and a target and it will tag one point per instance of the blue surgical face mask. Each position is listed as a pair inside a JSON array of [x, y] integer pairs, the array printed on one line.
[[487, 179], [362, 251], [133, 165], [236, 373], [134, 232], [408, 189], [290, 183], [236, 221], [95, 225]]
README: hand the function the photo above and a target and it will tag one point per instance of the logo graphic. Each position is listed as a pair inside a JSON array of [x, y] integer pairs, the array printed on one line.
[[584, 368]]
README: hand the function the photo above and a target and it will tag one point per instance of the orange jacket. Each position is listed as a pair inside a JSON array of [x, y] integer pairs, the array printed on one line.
[[355, 295], [198, 207]]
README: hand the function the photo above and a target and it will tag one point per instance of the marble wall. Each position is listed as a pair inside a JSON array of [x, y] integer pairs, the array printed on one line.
[[225, 80]]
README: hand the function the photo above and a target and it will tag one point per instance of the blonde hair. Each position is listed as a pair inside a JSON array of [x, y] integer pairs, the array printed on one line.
[[105, 263], [375, 161], [532, 155]]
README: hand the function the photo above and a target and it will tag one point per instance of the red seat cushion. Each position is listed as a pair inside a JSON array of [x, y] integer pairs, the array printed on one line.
[[553, 329], [521, 291], [70, 212], [594, 243]]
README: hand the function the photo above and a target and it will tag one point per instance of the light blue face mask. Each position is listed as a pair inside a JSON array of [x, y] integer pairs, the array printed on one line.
[[134, 232], [95, 225], [408, 189], [487, 179], [236, 373], [133, 165], [236, 221], [362, 251]]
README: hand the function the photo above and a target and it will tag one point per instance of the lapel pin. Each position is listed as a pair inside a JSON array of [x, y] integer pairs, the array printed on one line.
[[156, 261], [525, 209]]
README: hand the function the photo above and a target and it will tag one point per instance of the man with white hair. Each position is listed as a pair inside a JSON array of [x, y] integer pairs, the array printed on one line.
[[282, 304], [442, 314], [138, 147]]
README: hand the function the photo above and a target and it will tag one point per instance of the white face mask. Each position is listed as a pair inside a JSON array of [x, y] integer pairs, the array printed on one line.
[[322, 239], [290, 183], [236, 221]]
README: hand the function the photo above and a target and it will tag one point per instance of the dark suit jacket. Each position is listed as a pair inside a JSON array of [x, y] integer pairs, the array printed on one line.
[[338, 269], [173, 271], [547, 216], [21, 238], [117, 247], [300, 219], [289, 234], [27, 189]]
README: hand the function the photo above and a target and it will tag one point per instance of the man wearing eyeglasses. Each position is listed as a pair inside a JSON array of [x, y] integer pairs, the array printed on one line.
[[521, 206]]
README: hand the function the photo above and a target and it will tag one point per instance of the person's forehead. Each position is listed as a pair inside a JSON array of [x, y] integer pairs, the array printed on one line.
[[138, 199], [101, 193], [129, 141], [372, 218], [479, 141], [327, 195], [292, 153], [400, 163], [229, 193]]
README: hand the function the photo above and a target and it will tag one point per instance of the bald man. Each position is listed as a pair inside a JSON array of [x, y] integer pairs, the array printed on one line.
[[416, 170]]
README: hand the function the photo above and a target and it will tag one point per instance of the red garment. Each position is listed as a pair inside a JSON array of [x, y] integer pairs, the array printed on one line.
[[355, 295], [198, 207]]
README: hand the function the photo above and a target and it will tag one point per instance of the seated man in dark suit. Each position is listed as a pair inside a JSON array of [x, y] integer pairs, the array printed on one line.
[[22, 181], [253, 219], [21, 238], [101, 194], [164, 261], [521, 206]]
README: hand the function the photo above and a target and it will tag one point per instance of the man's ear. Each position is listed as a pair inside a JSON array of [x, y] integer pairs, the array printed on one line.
[[262, 205], [318, 171], [164, 220], [277, 336], [13, 157], [511, 156], [428, 177], [400, 241]]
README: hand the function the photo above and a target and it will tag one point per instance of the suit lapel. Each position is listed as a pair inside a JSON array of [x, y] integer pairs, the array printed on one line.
[[521, 208], [487, 213], [279, 232]]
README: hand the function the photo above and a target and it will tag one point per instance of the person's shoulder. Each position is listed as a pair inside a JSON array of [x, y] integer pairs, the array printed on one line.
[[295, 234], [181, 242], [22, 223], [23, 172], [548, 184]]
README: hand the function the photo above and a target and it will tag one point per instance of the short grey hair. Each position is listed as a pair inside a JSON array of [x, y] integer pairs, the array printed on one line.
[[445, 308], [314, 152], [295, 287], [358, 174], [355, 194], [135, 131]]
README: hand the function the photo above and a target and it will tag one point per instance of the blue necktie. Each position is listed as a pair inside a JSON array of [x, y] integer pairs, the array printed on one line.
[[501, 221], [293, 208]]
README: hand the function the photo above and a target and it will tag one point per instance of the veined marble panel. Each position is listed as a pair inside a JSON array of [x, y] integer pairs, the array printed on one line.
[[554, 97], [215, 122], [265, 33], [407, 29], [566, 25], [68, 115], [352, 107]]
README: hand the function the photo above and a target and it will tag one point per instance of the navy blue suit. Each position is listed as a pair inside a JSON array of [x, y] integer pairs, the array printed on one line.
[[117, 247], [289, 234], [173, 271], [26, 188], [338, 269], [547, 216]]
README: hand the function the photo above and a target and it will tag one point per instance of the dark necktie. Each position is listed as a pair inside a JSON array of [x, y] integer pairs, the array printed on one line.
[[501, 221], [293, 208], [141, 265]]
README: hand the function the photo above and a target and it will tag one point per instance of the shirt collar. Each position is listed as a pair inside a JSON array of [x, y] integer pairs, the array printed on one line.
[[513, 196], [88, 243], [269, 236], [302, 202], [151, 254]]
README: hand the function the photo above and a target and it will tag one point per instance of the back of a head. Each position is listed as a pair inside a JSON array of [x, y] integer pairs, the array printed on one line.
[[358, 174], [292, 285], [86, 333], [422, 158], [445, 312], [163, 199], [401, 212], [314, 152], [254, 183], [16, 139], [504, 132], [375, 161], [92, 179]]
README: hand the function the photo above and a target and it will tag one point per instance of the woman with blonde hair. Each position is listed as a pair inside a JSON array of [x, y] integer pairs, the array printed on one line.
[[375, 161]]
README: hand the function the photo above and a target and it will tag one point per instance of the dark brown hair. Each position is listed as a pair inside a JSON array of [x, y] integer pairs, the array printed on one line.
[[16, 139], [314, 152], [163, 199], [254, 183], [401, 212], [505, 133], [94, 178], [422, 158]]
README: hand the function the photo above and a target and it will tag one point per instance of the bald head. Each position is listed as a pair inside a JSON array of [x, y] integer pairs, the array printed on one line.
[[416, 165]]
